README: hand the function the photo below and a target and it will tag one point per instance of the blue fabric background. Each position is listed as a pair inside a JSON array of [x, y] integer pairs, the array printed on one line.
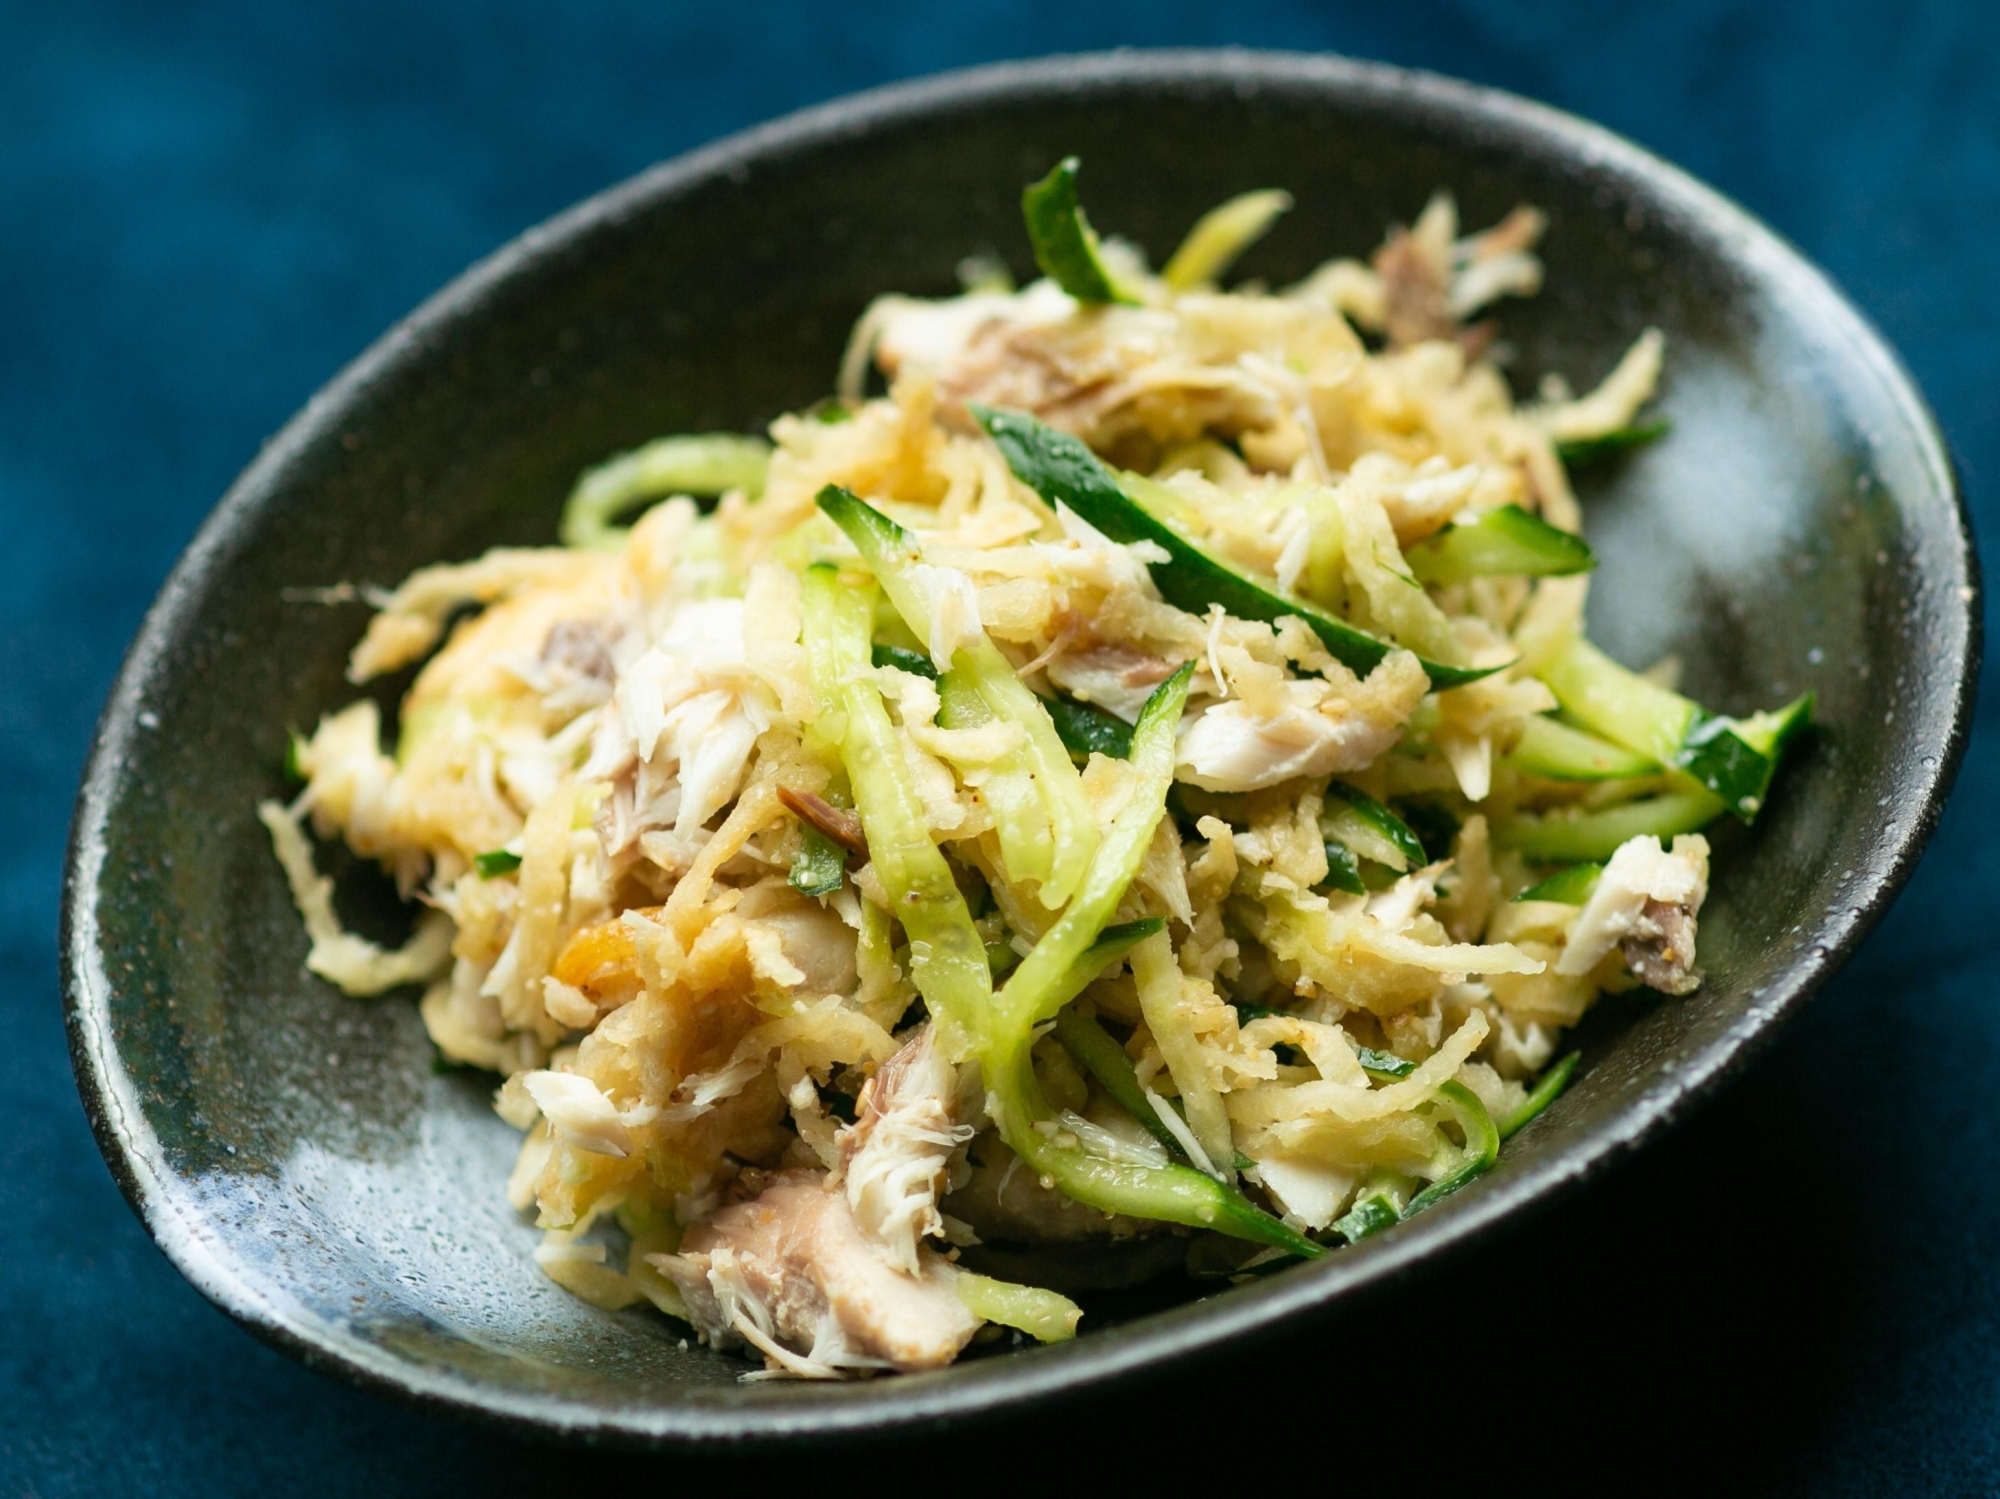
[[207, 208]]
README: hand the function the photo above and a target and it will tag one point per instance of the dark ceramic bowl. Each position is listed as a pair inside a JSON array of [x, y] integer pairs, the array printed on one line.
[[292, 1150]]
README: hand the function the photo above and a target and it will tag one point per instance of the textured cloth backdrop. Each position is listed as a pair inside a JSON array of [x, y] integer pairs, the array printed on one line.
[[209, 207]]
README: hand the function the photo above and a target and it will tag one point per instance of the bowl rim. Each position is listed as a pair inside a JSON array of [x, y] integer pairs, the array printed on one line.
[[134, 1153]]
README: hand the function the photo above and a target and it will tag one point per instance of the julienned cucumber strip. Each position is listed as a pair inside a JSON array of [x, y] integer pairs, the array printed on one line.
[[1733, 758], [1570, 837], [1171, 1194], [1040, 988], [1544, 1093], [916, 663], [1378, 1204], [1046, 1316], [1569, 887], [707, 464], [1369, 1215], [1087, 729], [1506, 542], [1222, 234], [1474, 1158], [1374, 819], [1621, 705], [1553, 749], [1065, 245], [1104, 1059], [1062, 470], [947, 957], [1585, 450]]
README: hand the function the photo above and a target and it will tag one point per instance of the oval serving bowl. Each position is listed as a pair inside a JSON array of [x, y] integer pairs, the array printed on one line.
[[292, 1150]]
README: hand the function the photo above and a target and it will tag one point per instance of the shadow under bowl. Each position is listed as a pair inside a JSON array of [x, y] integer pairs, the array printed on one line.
[[292, 1151]]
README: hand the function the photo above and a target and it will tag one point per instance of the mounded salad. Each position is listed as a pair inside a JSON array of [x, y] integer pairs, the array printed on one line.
[[1135, 798]]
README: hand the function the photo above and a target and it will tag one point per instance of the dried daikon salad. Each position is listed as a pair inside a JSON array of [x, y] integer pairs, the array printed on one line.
[[1136, 795]]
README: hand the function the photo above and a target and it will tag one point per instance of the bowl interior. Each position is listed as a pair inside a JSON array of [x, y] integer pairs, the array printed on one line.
[[292, 1148]]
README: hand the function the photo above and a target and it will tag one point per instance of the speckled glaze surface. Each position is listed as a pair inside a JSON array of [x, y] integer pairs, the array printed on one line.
[[293, 1152]]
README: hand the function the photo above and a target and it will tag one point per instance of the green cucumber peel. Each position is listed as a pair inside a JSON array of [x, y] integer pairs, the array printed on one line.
[[1173, 1193], [1569, 887], [1622, 706], [1436, 829], [1378, 1204], [1087, 729], [821, 864], [1066, 247], [1384, 1064], [1062, 470], [1581, 451], [1506, 542], [1716, 755], [496, 862], [1737, 757], [1343, 870], [1105, 954], [1771, 732], [916, 663], [887, 548], [1545, 1092]]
